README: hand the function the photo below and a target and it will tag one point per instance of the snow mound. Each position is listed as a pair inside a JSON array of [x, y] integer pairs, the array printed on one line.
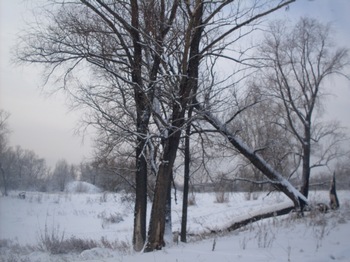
[[81, 187]]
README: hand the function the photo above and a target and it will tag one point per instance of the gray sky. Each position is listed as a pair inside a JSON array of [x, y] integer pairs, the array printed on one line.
[[38, 121], [44, 124]]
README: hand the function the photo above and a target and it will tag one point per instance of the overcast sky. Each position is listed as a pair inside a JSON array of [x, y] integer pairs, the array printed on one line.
[[44, 124]]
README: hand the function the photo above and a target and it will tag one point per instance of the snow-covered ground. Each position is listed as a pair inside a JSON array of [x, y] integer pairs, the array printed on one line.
[[108, 218]]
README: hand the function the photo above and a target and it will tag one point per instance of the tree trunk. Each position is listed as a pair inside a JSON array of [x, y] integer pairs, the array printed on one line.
[[186, 93], [143, 116], [139, 233], [4, 180], [306, 163], [258, 217], [334, 202], [168, 232], [157, 221], [183, 236]]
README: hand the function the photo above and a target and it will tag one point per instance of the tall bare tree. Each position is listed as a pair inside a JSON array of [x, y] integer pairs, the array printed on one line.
[[208, 30], [4, 131], [297, 63], [121, 44], [144, 65]]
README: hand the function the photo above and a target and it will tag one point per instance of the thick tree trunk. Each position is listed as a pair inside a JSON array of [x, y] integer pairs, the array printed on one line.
[[157, 222], [143, 116], [187, 90], [139, 233]]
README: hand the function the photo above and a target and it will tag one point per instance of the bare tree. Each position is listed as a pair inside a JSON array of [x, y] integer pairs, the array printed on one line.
[[199, 22], [23, 170], [297, 62], [143, 66], [4, 131], [122, 45]]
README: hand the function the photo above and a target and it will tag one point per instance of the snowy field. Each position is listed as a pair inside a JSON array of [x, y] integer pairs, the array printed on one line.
[[104, 221]]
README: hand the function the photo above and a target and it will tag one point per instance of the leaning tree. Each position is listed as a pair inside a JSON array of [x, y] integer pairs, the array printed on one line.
[[296, 64], [137, 65], [207, 31]]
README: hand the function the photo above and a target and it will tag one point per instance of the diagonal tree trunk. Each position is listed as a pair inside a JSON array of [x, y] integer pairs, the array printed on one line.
[[277, 180]]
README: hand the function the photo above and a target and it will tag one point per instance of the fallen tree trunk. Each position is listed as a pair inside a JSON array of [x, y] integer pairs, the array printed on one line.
[[242, 223], [275, 178]]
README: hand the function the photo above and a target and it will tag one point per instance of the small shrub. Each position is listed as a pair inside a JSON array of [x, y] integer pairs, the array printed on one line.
[[122, 246], [78, 245], [51, 240], [110, 219], [127, 197]]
